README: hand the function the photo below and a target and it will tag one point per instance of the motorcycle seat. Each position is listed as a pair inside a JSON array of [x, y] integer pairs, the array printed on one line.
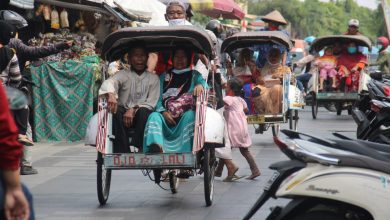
[[361, 162], [374, 150]]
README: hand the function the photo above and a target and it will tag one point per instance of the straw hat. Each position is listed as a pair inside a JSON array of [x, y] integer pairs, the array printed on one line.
[[274, 16]]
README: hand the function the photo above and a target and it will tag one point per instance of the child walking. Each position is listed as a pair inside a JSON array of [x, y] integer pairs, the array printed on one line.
[[234, 114]]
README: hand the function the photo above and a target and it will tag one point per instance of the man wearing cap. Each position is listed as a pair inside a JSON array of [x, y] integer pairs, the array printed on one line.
[[274, 20], [353, 27]]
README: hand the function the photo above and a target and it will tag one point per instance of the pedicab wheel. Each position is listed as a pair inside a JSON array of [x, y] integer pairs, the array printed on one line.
[[339, 108], [103, 180], [275, 130], [209, 171], [173, 181], [314, 105], [293, 119], [349, 110]]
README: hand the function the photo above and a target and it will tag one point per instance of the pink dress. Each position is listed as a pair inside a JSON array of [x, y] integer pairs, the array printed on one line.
[[236, 121]]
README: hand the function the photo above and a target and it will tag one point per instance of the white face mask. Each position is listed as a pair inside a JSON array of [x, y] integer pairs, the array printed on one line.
[[176, 22]]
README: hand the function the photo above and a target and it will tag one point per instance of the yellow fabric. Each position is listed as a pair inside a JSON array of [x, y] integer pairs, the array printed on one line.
[[198, 5]]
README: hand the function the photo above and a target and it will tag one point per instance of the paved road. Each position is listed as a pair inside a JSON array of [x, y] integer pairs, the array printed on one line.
[[65, 187]]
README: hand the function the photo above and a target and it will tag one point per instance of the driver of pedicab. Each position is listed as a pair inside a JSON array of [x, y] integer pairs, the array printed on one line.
[[132, 96], [171, 128], [350, 63]]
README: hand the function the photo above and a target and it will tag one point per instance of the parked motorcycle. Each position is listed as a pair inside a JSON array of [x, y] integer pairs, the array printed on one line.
[[372, 112], [329, 180]]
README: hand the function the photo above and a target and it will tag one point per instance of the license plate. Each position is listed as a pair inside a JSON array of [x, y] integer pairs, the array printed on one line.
[[139, 160], [255, 119], [274, 176]]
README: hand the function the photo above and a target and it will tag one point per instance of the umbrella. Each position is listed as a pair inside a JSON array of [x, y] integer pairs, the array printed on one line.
[[226, 9], [152, 10]]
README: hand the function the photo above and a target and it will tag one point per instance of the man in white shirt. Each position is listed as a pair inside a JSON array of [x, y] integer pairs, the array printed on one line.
[[132, 95]]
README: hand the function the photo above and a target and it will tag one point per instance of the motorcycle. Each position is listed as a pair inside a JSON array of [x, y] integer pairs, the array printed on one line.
[[372, 112], [341, 179]]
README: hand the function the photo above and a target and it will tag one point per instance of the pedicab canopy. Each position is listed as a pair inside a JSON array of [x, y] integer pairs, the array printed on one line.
[[322, 42], [249, 39], [156, 39]]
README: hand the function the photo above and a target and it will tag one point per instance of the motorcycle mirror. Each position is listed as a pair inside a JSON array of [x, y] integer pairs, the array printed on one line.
[[16, 98]]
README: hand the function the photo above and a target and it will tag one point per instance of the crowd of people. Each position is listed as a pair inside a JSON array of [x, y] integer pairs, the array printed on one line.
[[154, 95]]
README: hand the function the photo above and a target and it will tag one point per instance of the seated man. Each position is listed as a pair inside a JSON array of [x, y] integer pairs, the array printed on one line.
[[267, 95], [131, 95], [350, 64]]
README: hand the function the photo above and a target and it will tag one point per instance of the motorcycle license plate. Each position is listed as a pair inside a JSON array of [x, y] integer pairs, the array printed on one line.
[[274, 176]]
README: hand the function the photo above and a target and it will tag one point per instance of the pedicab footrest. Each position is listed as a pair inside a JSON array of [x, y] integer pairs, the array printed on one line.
[[263, 119], [337, 96], [149, 161]]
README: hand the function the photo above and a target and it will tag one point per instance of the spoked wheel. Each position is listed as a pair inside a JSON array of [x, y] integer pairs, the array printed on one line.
[[173, 181], [103, 180], [293, 119], [339, 108], [349, 109], [314, 105], [209, 163], [275, 130]]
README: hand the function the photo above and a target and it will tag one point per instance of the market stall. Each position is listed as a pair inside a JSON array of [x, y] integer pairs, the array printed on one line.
[[66, 82]]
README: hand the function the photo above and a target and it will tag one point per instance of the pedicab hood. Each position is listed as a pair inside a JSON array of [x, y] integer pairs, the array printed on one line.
[[322, 42], [249, 39], [156, 39]]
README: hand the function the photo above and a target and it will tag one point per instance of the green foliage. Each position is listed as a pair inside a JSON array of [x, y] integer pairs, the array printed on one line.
[[312, 17]]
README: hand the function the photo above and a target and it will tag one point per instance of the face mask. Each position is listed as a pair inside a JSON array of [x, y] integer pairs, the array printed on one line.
[[175, 71], [352, 50], [175, 22]]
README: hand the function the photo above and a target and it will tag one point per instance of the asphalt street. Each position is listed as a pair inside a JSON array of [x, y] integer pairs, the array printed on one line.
[[65, 187]]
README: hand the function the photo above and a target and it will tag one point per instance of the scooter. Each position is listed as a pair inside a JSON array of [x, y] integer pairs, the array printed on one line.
[[372, 113], [329, 180]]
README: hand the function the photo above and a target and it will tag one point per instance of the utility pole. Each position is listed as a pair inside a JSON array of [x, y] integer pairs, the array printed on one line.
[[386, 15]]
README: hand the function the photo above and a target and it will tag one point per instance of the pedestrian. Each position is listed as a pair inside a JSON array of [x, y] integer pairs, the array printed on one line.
[[15, 198], [237, 127], [26, 53]]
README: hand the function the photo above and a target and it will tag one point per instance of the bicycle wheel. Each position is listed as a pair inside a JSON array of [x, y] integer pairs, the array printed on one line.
[[209, 171], [103, 180], [173, 181]]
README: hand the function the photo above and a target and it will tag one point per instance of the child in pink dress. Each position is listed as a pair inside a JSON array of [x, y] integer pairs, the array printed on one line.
[[327, 65], [237, 127]]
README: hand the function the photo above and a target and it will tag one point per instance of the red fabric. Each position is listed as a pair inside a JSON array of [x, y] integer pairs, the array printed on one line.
[[10, 148], [228, 9], [351, 60], [162, 64]]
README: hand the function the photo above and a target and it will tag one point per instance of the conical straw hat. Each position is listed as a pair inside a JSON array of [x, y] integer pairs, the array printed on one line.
[[274, 16]]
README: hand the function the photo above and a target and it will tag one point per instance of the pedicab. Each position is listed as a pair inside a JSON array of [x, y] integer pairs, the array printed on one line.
[[209, 125], [292, 98], [341, 98]]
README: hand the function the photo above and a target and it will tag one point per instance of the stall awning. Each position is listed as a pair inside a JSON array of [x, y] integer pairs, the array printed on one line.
[[90, 5], [25, 4]]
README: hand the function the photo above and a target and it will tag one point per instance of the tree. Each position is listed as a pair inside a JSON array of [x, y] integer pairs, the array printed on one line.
[[312, 17]]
